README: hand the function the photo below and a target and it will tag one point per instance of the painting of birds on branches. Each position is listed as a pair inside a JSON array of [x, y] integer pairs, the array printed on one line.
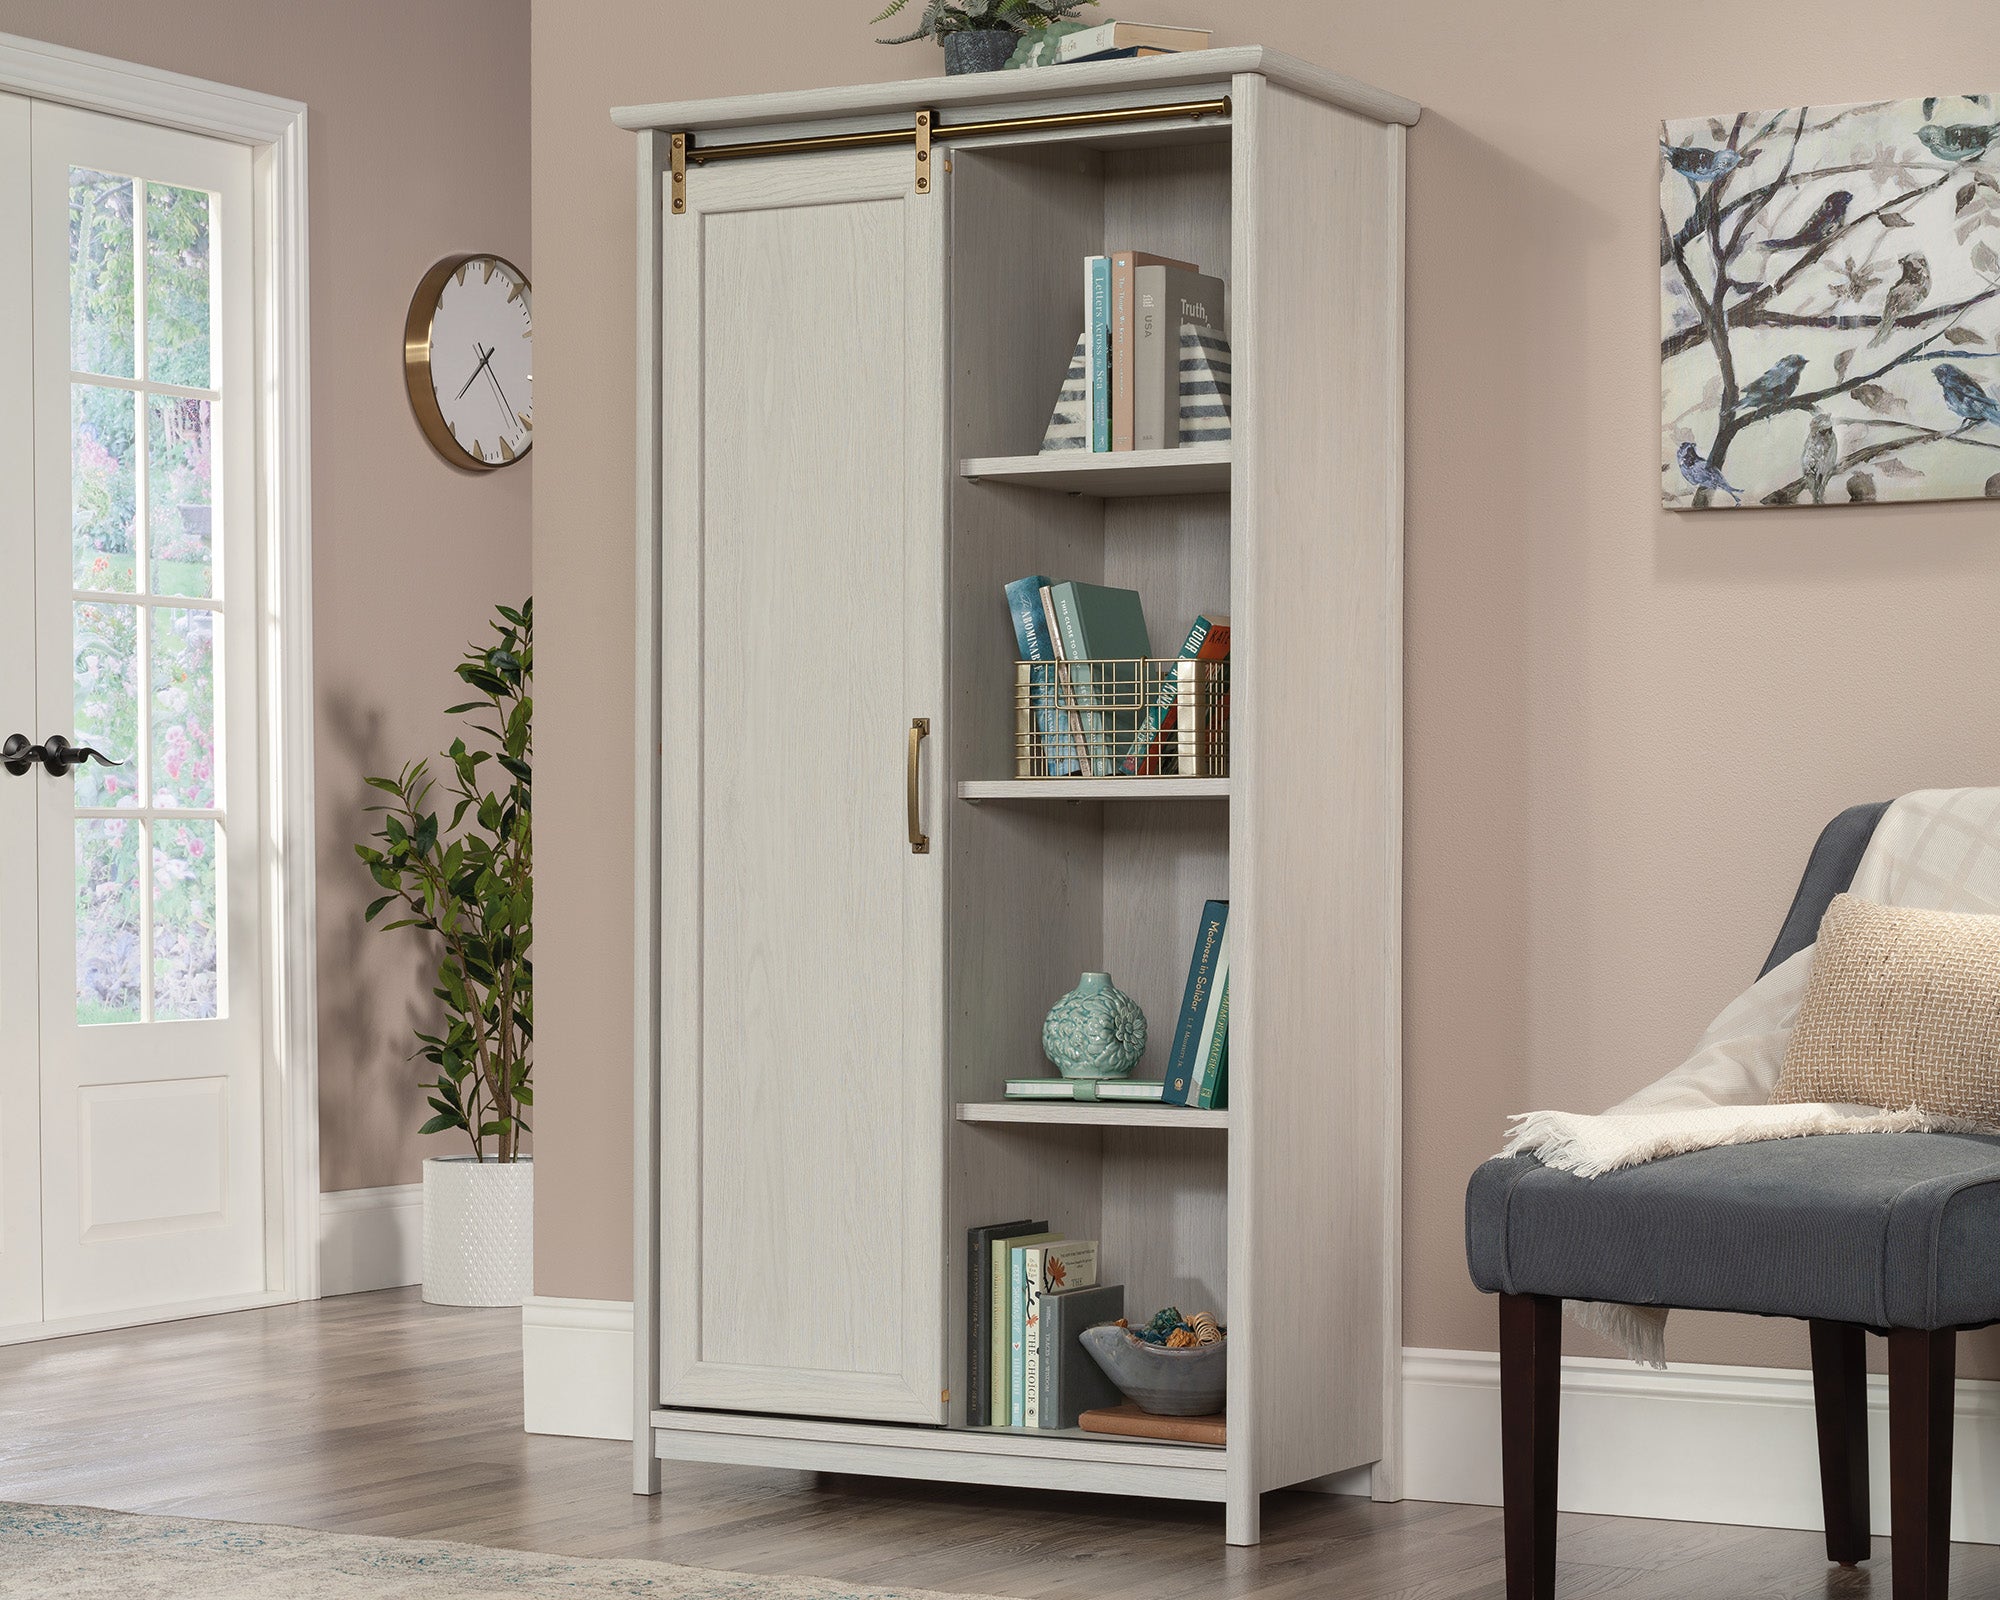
[[1830, 305]]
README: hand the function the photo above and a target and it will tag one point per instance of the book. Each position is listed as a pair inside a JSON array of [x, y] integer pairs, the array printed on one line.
[[1032, 639], [1071, 1381], [1089, 1089], [1167, 300], [1123, 266], [1097, 325], [1063, 1264], [1214, 1051], [1097, 625], [1181, 1061], [1121, 55], [1066, 700], [1129, 1420], [1129, 36], [979, 1317], [1155, 746], [1000, 1358]]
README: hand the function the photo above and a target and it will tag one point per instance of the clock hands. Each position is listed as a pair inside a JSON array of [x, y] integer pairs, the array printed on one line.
[[484, 357], [494, 378], [485, 366]]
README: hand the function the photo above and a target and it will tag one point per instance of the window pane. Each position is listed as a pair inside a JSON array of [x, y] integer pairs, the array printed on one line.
[[187, 943], [183, 708], [106, 701], [177, 286], [180, 512], [102, 503], [101, 316], [107, 920]]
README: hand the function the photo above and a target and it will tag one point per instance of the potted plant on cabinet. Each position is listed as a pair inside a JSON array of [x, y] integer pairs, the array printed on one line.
[[467, 882], [980, 35]]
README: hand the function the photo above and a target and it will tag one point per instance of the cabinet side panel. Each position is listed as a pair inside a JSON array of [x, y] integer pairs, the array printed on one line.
[[1315, 819]]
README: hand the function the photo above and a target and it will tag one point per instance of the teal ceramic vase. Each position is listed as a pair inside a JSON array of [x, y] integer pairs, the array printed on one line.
[[1095, 1031]]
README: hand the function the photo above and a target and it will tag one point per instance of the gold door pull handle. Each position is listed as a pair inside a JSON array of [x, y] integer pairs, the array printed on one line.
[[920, 843]]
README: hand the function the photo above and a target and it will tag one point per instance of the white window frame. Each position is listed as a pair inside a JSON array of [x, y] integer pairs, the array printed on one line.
[[275, 131]]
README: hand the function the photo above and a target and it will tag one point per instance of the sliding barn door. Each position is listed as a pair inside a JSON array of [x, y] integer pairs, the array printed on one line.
[[802, 939]]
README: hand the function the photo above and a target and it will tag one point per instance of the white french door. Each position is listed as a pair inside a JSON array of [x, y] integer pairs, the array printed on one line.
[[131, 1117]]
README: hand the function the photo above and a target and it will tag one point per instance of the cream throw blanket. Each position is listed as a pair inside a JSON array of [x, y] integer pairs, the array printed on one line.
[[1937, 849]]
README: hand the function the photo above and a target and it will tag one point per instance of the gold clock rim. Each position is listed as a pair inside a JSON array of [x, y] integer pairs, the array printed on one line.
[[417, 328]]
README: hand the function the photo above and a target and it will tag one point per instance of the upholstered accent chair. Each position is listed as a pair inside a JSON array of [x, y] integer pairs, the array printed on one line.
[[1892, 1234]]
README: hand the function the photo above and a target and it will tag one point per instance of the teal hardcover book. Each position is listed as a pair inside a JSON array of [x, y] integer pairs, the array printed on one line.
[[1185, 1062], [1209, 1095], [1100, 625]]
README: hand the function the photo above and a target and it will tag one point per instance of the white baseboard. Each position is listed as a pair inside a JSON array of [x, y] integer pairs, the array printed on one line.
[[1691, 1444], [576, 1367], [371, 1239]]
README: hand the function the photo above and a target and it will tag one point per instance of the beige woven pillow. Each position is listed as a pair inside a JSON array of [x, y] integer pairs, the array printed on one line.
[[1902, 1009]]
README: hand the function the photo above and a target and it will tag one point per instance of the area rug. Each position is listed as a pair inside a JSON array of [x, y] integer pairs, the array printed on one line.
[[72, 1553]]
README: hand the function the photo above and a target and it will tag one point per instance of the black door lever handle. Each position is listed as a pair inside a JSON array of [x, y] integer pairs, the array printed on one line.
[[56, 755]]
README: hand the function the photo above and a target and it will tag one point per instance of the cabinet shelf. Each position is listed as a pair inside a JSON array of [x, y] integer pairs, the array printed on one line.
[[1090, 1114], [977, 789], [1193, 469]]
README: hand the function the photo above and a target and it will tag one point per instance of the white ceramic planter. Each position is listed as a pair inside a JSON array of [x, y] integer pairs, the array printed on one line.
[[479, 1231]]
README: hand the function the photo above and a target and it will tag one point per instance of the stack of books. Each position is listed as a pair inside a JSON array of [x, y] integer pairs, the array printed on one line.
[[1029, 1293], [1117, 41], [1092, 708], [1153, 326]]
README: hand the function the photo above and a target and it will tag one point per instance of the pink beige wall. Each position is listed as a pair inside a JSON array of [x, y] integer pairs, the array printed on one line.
[[417, 132], [1624, 727]]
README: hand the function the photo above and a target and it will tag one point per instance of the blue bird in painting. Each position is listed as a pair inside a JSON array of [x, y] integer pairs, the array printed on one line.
[[1775, 387], [1698, 164], [1699, 473], [1962, 141], [1821, 226], [1965, 396]]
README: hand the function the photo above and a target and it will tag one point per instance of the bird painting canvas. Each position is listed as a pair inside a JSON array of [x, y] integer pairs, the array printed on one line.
[[1830, 305]]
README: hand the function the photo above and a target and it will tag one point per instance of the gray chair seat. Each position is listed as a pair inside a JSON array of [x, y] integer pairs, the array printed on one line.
[[1889, 1230]]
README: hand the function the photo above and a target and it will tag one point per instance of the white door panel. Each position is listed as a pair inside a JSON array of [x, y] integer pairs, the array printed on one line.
[[151, 1021], [20, 1056]]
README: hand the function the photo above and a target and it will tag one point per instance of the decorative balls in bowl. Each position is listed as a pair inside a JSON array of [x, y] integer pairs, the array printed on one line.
[[1185, 1379]]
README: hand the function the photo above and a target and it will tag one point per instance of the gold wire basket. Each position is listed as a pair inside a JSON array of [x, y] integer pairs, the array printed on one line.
[[1121, 719]]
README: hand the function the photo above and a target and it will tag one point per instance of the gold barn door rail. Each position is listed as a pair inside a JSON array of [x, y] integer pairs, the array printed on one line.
[[924, 131]]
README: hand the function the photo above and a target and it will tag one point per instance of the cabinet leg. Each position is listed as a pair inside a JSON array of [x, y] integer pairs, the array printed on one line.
[[1922, 1366], [1840, 1402], [1243, 1517], [1530, 1407], [645, 1464]]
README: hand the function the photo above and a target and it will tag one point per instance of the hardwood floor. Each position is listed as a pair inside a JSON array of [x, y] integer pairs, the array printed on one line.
[[379, 1414]]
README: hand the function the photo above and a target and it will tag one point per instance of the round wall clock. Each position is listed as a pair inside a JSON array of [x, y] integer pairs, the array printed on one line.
[[468, 347]]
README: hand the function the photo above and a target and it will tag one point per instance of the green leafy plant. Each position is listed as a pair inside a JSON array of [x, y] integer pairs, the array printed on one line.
[[944, 17], [469, 884]]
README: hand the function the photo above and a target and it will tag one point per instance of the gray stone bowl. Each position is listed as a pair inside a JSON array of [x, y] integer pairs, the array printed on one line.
[[1168, 1383]]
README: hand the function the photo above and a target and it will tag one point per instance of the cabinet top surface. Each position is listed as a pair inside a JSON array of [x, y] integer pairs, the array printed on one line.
[[1081, 80]]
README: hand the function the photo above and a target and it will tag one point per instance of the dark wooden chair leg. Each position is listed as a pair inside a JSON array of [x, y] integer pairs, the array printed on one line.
[[1840, 1401], [1921, 1369], [1530, 1404]]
